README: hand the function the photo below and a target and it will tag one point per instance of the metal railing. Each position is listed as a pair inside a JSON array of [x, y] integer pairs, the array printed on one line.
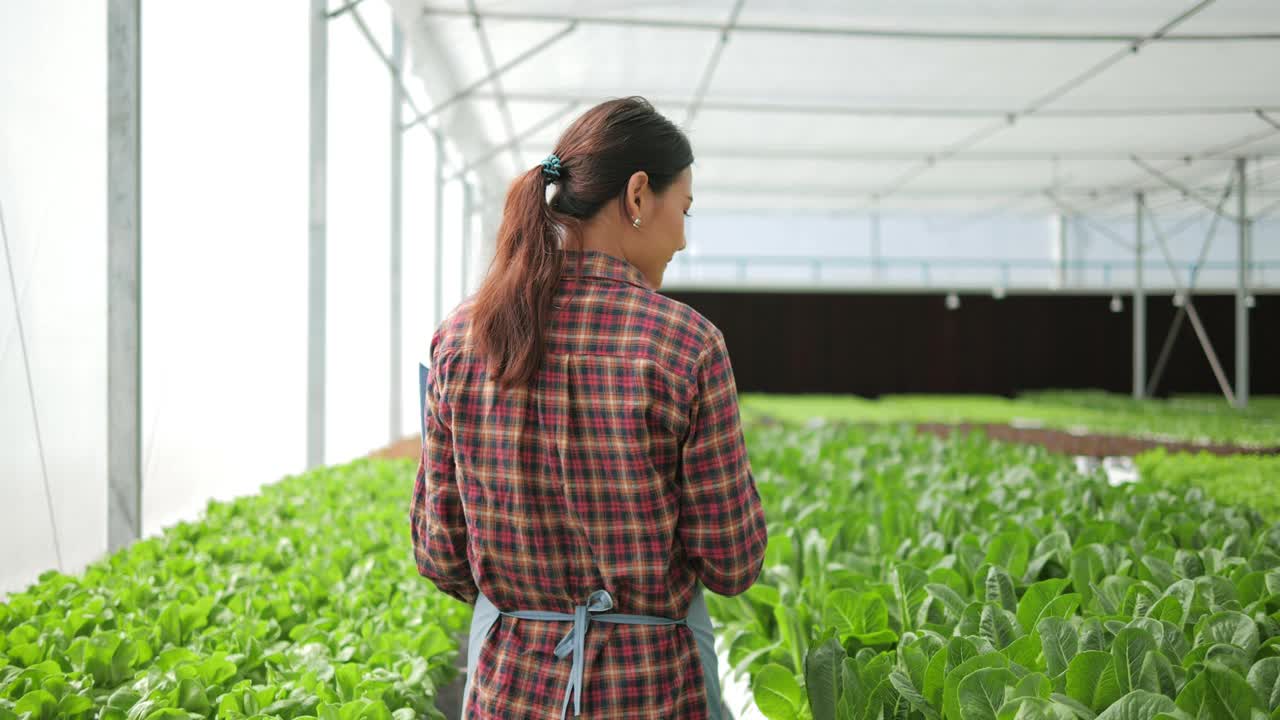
[[1007, 273]]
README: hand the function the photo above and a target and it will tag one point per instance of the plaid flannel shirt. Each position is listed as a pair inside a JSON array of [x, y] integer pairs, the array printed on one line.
[[622, 466]]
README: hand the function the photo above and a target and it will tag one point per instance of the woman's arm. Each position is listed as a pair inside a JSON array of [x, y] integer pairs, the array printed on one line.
[[438, 526], [722, 525]]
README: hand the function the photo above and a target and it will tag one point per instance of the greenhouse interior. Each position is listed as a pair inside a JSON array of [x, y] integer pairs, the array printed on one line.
[[1000, 282]]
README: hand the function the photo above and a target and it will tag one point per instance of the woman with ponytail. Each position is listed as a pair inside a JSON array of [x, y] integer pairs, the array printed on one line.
[[584, 474]]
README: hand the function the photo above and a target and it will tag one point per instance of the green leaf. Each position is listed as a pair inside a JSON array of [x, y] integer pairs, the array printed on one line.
[[1059, 643], [1264, 678], [1026, 651], [934, 676], [1129, 650], [999, 588], [39, 703], [1217, 693], [777, 693], [1138, 705], [1011, 551], [1033, 685], [999, 626], [1157, 675], [1035, 599], [902, 683], [1074, 706], [1063, 606], [951, 684], [1091, 679], [1232, 628], [981, 693], [952, 601], [822, 678]]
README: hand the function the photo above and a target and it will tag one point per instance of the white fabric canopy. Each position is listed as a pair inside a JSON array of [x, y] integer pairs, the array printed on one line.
[[898, 104]]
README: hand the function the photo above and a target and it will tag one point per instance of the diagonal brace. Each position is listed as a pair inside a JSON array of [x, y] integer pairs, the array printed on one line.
[[1194, 316], [497, 72], [1181, 188], [1176, 327], [532, 130]]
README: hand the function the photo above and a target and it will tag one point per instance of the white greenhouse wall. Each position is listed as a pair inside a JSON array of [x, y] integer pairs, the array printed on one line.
[[53, 166]]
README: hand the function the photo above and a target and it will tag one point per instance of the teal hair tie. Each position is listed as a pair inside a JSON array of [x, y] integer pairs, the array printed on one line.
[[551, 168]]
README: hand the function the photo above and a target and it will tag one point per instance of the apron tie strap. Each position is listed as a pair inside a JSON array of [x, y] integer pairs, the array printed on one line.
[[573, 644]]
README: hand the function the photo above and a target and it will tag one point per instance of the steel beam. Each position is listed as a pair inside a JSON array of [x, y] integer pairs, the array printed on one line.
[[317, 232], [837, 31], [496, 150], [1242, 290], [422, 117], [388, 61], [492, 67], [705, 83], [438, 308], [1139, 307], [124, 273], [344, 9], [1040, 102], [781, 107], [395, 406]]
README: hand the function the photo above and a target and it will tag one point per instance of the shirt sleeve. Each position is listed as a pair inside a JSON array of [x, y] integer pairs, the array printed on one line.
[[722, 524], [438, 526]]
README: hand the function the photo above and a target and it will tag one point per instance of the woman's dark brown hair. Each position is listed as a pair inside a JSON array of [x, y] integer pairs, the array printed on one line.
[[598, 154]]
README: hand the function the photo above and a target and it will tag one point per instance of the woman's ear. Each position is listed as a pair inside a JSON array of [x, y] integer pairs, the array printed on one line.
[[636, 188]]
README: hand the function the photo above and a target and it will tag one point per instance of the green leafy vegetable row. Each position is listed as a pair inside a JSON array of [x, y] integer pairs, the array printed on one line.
[[912, 578], [1252, 480], [1189, 419], [300, 602]]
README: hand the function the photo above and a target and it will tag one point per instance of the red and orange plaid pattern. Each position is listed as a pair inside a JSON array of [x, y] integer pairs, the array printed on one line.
[[622, 466]]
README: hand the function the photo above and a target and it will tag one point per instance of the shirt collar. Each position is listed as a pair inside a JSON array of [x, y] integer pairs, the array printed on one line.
[[599, 264]]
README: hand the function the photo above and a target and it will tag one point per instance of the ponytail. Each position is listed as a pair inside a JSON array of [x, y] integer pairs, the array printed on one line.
[[513, 306]]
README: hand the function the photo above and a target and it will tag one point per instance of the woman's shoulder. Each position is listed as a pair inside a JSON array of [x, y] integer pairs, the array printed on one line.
[[679, 325]]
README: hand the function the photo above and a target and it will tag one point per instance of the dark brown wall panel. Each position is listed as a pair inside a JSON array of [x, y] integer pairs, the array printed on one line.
[[872, 344]]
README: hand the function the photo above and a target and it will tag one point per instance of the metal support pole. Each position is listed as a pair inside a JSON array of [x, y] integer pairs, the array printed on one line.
[[877, 267], [397, 177], [1060, 252], [468, 212], [124, 274], [1139, 308], [317, 225], [437, 316], [1242, 291]]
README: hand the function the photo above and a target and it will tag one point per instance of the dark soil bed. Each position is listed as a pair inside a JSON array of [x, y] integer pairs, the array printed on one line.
[[1067, 443], [1058, 441]]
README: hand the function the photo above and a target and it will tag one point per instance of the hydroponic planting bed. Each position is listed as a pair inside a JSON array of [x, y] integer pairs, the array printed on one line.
[[908, 577]]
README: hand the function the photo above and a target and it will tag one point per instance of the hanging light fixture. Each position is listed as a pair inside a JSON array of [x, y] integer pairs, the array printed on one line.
[[953, 301], [997, 292], [1117, 305], [1249, 302]]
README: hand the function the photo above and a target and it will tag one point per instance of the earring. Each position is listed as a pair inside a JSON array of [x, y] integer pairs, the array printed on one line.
[[636, 223]]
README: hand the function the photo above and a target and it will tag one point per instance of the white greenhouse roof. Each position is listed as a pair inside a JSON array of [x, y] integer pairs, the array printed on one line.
[[914, 104]]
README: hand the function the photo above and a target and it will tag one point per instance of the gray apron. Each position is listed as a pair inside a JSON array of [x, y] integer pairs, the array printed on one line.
[[572, 645]]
